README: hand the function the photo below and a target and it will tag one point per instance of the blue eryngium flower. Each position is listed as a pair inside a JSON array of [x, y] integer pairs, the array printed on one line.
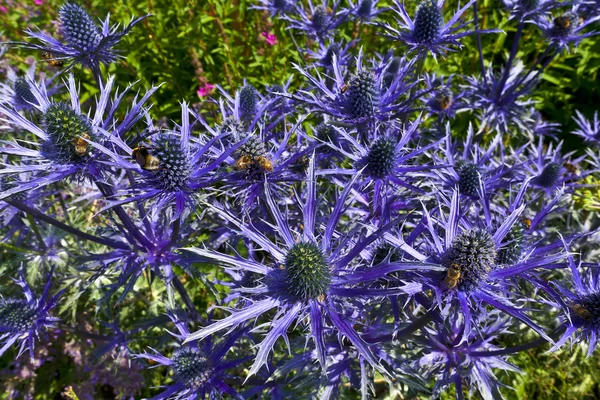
[[319, 20], [567, 29], [465, 359], [84, 41], [588, 129], [427, 31], [21, 321], [70, 140], [199, 370], [313, 275], [581, 304], [274, 7]]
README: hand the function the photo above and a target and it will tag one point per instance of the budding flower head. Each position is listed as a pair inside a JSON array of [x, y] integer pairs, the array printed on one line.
[[529, 5], [361, 94], [515, 241], [191, 367], [174, 169], [428, 22], [365, 8], [68, 132], [23, 96], [78, 28], [549, 176], [327, 59], [320, 19], [474, 252], [381, 160], [307, 271], [248, 102], [468, 178]]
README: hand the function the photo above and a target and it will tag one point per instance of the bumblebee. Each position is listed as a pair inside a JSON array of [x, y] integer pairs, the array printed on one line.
[[81, 144], [562, 22], [572, 169], [265, 163], [526, 222], [49, 58], [344, 88], [582, 312], [445, 102], [143, 156], [452, 276], [243, 163]]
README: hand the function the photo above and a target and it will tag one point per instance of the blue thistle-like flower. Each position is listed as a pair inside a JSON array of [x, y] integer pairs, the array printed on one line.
[[427, 32], [21, 321], [589, 130], [319, 21], [274, 7], [566, 29], [306, 276], [70, 141], [85, 43], [199, 370]]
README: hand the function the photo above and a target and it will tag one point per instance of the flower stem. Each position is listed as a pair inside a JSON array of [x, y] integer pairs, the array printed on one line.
[[43, 217], [186, 298], [36, 231], [478, 38], [517, 349], [511, 57]]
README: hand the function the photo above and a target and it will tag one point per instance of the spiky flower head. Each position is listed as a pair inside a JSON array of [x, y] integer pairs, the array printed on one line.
[[320, 19], [17, 316], [469, 179], [529, 5], [362, 94], [549, 176], [515, 241], [67, 132], [254, 147], [307, 273], [428, 22], [174, 169], [365, 9], [23, 96], [191, 367], [248, 102], [333, 50], [78, 28], [233, 126], [326, 133], [381, 159], [474, 252]]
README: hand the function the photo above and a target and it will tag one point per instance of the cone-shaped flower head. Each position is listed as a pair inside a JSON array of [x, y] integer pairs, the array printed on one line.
[[307, 271], [428, 22], [68, 133], [362, 94], [191, 367], [78, 28], [469, 179], [248, 102], [549, 175], [474, 252], [381, 160], [174, 168]]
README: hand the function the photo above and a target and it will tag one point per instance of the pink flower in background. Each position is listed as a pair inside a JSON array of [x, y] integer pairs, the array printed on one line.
[[3, 9], [205, 90], [38, 2], [270, 38]]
